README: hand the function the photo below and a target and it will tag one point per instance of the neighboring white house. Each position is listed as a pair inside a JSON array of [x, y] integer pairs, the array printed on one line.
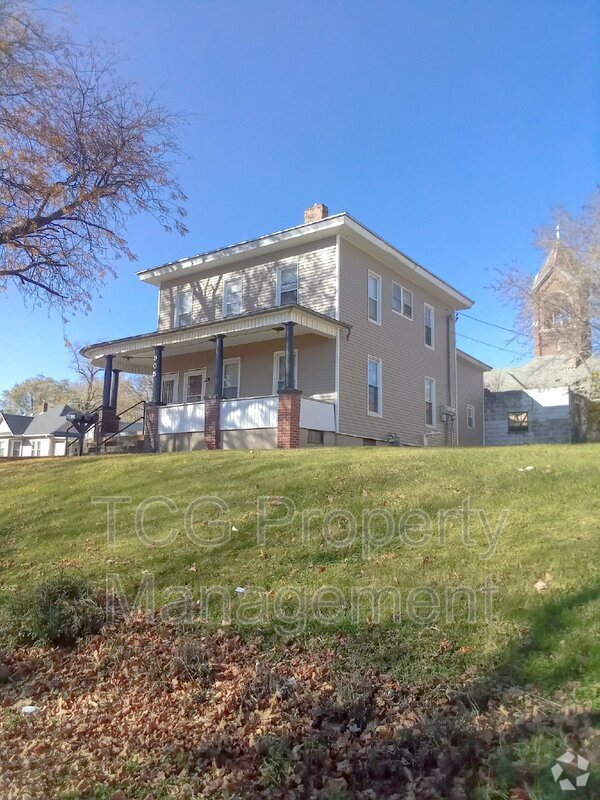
[[45, 434]]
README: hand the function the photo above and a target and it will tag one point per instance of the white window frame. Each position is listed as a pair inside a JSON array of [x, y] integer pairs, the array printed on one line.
[[18, 442], [188, 374], [433, 423], [470, 417], [167, 376], [412, 304], [237, 361], [402, 292], [280, 269], [276, 356], [226, 285], [377, 277], [178, 311], [36, 445], [432, 309], [2, 449], [379, 363]]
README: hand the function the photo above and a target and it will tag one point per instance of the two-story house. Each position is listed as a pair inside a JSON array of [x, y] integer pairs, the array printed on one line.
[[318, 334]]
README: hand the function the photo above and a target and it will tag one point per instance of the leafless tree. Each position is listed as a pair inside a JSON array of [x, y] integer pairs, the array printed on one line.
[[89, 383], [80, 151]]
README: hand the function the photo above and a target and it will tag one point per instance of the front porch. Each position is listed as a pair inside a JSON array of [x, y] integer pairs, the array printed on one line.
[[262, 380]]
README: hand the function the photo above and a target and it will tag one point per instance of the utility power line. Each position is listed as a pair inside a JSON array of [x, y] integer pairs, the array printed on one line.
[[495, 346], [491, 324]]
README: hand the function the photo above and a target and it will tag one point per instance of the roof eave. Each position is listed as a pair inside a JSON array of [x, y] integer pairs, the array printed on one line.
[[341, 223], [473, 361], [243, 250]]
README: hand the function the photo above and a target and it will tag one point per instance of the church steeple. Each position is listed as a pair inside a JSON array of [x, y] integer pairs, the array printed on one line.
[[561, 319]]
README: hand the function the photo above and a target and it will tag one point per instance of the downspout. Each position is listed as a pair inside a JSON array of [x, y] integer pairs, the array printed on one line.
[[456, 381], [450, 423]]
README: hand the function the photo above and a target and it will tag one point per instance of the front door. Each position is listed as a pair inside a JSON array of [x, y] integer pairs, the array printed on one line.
[[194, 386]]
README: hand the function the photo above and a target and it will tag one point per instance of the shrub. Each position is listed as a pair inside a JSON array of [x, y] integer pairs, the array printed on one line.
[[56, 611]]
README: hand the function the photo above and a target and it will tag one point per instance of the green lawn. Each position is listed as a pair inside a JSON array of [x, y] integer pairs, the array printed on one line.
[[533, 540], [49, 524]]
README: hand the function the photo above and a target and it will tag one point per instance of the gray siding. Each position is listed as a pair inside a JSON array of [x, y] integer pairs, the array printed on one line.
[[316, 285], [399, 343], [547, 424], [470, 392]]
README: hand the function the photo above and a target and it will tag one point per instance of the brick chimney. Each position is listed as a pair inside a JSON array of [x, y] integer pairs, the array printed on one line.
[[45, 407], [315, 213]]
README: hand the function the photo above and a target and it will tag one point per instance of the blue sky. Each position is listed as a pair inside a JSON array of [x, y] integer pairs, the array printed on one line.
[[450, 128]]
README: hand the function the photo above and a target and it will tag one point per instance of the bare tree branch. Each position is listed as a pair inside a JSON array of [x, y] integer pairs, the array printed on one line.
[[80, 152]]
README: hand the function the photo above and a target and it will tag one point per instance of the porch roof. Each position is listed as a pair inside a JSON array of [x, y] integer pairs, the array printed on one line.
[[135, 353]]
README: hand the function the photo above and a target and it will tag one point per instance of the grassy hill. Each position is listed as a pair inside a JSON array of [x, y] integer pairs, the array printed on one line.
[[404, 588], [431, 617]]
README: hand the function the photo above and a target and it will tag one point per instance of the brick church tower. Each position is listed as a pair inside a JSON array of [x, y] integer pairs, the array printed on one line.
[[561, 320]]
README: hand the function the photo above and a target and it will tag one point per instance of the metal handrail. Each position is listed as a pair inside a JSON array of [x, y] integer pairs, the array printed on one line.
[[142, 417]]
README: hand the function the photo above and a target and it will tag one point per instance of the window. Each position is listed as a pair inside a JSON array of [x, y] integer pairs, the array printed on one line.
[[2, 450], [279, 371], [396, 298], [374, 386], [287, 285], [315, 437], [194, 381], [402, 301], [429, 402], [231, 378], [471, 418], [429, 326], [374, 295], [232, 297], [518, 421], [16, 448], [169, 390], [407, 303], [183, 309], [36, 448]]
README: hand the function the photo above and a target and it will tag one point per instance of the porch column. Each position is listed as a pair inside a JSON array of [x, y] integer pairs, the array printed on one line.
[[107, 378], [152, 409], [288, 413], [289, 356], [219, 365], [157, 374], [114, 393], [212, 405]]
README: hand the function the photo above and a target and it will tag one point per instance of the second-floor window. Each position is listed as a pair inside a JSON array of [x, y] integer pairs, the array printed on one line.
[[374, 298], [232, 297], [429, 402], [429, 326], [183, 308], [287, 285], [402, 301]]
